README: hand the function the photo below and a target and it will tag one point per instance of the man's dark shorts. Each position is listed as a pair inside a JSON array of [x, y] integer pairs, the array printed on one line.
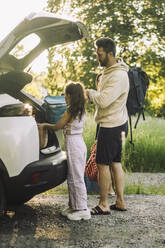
[[109, 144]]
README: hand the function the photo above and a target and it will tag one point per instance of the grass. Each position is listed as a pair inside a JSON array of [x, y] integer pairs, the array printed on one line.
[[149, 149], [144, 190], [62, 189], [149, 144], [129, 190], [89, 132], [147, 155]]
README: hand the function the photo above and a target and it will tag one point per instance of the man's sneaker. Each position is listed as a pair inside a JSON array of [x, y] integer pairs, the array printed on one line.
[[66, 211], [80, 215]]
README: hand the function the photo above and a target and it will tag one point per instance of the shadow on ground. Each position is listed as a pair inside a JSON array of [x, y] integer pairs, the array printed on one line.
[[39, 224]]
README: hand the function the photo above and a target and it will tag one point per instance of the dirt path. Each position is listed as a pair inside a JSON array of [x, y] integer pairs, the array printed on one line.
[[39, 224]]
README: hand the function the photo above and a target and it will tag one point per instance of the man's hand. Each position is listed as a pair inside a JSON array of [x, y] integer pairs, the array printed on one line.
[[88, 97]]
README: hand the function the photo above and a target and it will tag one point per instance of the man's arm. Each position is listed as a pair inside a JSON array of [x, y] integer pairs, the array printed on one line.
[[106, 96]]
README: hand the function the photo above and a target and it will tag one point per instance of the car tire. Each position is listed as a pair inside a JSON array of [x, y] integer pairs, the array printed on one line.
[[2, 199]]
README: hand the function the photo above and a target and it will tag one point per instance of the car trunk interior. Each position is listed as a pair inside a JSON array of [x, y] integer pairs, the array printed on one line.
[[49, 142], [12, 84]]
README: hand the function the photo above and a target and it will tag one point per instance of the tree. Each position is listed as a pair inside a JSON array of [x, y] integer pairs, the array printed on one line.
[[138, 28]]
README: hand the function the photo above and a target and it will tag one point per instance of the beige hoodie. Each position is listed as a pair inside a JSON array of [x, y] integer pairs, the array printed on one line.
[[111, 96]]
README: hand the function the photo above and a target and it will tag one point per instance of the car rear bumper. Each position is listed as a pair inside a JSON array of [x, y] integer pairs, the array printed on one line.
[[37, 177]]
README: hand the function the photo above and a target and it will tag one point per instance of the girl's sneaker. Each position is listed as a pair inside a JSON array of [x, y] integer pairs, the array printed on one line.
[[66, 211], [79, 215]]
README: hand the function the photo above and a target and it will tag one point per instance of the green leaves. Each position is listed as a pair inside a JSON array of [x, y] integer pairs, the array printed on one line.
[[137, 26]]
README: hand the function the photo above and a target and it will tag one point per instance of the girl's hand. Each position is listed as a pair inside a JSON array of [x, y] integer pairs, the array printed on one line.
[[42, 125]]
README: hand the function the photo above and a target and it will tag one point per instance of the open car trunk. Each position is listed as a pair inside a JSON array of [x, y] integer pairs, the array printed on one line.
[[51, 30]]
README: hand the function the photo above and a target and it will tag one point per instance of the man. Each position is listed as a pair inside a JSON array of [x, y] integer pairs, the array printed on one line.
[[111, 114]]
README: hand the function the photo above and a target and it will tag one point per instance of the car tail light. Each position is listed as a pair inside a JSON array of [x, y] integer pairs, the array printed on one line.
[[35, 178]]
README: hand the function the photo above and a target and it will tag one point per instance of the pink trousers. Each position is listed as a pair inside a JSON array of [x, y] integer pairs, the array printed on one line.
[[76, 157]]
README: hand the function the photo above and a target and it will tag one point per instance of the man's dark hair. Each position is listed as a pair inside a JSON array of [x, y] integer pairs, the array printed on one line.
[[107, 44]]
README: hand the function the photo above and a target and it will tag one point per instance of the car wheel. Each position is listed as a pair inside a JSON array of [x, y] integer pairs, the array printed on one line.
[[2, 199]]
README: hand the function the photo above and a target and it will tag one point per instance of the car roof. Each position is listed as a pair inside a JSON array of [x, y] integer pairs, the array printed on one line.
[[51, 29]]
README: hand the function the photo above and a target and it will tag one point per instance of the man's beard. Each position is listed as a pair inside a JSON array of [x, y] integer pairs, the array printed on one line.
[[105, 61]]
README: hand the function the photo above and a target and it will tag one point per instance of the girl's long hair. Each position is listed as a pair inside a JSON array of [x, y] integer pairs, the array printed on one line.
[[77, 96]]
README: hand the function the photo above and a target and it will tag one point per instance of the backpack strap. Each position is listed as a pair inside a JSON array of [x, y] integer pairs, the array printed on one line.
[[131, 136], [141, 112]]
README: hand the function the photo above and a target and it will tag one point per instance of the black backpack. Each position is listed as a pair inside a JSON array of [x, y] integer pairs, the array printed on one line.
[[139, 82]]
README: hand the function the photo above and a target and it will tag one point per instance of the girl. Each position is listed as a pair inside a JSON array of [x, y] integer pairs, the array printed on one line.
[[72, 122]]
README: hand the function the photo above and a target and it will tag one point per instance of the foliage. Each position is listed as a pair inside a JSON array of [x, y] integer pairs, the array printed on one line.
[[55, 80], [149, 144], [148, 152], [136, 26], [36, 87]]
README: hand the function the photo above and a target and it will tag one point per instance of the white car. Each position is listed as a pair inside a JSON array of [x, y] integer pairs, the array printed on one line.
[[25, 168]]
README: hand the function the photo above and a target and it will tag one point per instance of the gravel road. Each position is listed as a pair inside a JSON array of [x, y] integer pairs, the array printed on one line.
[[39, 224]]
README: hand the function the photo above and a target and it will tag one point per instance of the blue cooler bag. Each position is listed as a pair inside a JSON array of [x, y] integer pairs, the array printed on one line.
[[55, 108]]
